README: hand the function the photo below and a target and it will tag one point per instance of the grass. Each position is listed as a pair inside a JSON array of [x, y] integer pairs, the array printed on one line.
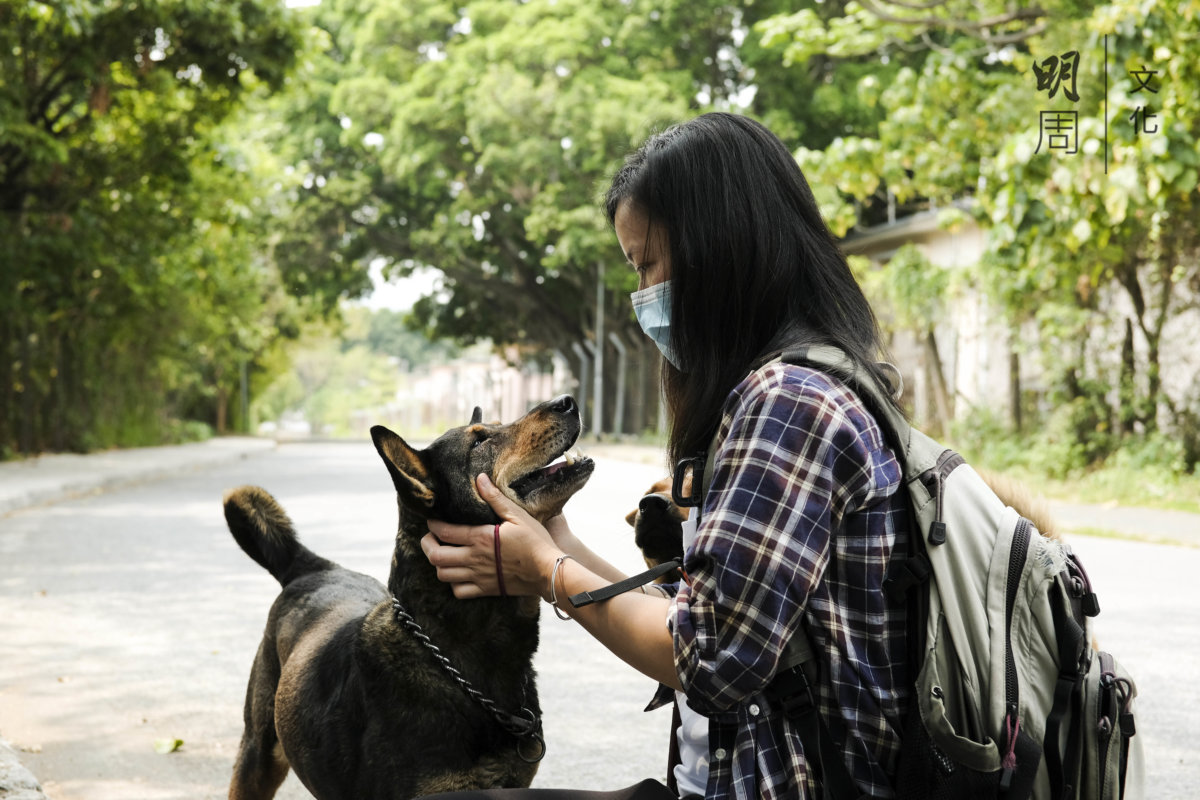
[[1146, 472], [1124, 485], [1104, 533]]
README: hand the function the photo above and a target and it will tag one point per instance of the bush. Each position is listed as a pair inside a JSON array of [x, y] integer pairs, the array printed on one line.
[[1151, 470], [986, 441], [1075, 437], [1187, 429], [180, 431]]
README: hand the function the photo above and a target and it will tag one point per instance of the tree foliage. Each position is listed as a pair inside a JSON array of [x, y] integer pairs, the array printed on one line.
[[473, 138], [183, 184], [1078, 242], [127, 275]]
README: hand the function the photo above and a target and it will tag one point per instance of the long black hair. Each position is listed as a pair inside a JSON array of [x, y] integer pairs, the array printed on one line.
[[754, 268]]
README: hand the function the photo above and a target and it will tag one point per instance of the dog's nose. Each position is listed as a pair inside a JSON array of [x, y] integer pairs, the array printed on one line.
[[564, 404], [653, 502]]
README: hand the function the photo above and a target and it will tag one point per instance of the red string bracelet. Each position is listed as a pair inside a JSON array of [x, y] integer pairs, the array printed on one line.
[[499, 569]]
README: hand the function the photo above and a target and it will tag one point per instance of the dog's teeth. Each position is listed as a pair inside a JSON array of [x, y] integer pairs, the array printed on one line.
[[570, 457]]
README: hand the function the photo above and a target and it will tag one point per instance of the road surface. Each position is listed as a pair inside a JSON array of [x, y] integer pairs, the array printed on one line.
[[131, 617]]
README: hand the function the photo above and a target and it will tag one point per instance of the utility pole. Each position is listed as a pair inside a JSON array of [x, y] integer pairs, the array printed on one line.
[[584, 361], [622, 365], [245, 397], [598, 380]]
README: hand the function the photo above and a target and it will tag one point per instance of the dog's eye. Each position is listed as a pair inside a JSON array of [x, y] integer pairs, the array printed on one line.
[[479, 439]]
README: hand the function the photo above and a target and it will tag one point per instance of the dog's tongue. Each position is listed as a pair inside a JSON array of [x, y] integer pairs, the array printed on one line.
[[565, 460]]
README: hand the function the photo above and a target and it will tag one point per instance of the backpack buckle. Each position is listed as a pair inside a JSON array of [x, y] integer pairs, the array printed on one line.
[[693, 498], [792, 691], [905, 575]]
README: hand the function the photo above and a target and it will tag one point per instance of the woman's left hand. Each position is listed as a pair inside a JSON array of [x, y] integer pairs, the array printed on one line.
[[465, 555]]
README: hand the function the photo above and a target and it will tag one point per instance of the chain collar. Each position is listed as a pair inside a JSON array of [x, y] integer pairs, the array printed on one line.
[[525, 725]]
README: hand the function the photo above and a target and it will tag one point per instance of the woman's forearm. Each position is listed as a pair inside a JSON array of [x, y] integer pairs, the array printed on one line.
[[632, 625], [588, 558]]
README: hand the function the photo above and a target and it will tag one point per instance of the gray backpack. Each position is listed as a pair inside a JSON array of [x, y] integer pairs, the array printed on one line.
[[1010, 698]]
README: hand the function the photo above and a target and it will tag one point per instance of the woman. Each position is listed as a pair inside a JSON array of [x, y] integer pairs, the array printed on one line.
[[735, 266]]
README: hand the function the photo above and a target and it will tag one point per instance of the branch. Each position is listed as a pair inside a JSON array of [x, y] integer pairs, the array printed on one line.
[[50, 89], [972, 26], [1016, 36], [1167, 272], [52, 122], [917, 6]]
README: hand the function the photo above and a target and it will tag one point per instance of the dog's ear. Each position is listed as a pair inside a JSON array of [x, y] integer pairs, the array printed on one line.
[[476, 416], [408, 471]]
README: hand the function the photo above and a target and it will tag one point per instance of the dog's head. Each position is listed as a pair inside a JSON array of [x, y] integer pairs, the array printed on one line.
[[658, 526], [529, 460]]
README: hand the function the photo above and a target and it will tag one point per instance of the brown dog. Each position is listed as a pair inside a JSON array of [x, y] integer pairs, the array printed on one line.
[[352, 686]]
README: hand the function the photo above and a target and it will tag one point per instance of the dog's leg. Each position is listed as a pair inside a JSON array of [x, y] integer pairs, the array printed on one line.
[[261, 764]]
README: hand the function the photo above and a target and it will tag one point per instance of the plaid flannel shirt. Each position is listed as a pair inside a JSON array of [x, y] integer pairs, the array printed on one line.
[[797, 530]]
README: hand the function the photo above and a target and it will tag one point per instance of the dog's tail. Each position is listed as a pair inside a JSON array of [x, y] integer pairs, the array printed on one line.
[[263, 530]]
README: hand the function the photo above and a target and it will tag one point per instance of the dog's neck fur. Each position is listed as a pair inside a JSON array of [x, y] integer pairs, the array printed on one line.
[[414, 582]]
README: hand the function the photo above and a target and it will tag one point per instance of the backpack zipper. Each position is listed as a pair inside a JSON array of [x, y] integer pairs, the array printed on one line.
[[947, 463], [1012, 720], [1108, 713]]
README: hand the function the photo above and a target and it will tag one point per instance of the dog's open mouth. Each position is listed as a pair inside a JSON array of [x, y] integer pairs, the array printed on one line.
[[564, 470]]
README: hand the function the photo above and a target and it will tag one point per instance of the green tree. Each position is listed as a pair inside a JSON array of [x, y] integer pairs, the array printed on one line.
[[476, 138], [1122, 220], [124, 265], [461, 146], [1071, 239]]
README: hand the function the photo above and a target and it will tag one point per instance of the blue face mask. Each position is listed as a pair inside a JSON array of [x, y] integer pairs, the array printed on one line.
[[652, 306]]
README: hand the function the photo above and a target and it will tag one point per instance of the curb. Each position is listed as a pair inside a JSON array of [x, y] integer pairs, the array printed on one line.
[[51, 478], [16, 782], [1150, 525]]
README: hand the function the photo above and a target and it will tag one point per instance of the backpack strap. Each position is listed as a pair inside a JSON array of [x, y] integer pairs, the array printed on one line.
[[891, 421], [793, 688], [1068, 695]]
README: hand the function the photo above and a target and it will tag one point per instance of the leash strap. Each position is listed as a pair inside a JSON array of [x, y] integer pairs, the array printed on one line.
[[620, 587]]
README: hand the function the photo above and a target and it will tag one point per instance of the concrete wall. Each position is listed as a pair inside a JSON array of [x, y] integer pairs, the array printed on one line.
[[975, 343]]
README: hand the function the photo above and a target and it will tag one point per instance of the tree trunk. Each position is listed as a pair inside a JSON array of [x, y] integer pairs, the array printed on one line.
[[27, 428], [936, 376], [1154, 395], [7, 395], [222, 409], [1014, 389], [1127, 391], [222, 401]]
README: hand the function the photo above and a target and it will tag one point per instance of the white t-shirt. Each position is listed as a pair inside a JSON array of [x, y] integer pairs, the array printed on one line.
[[691, 774]]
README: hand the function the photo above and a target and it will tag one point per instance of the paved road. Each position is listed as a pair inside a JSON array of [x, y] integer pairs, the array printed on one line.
[[131, 617]]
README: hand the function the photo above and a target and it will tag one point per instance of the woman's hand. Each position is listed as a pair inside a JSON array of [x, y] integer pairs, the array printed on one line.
[[465, 555], [632, 625]]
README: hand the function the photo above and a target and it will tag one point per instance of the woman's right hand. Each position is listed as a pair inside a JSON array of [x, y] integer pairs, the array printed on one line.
[[465, 555]]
